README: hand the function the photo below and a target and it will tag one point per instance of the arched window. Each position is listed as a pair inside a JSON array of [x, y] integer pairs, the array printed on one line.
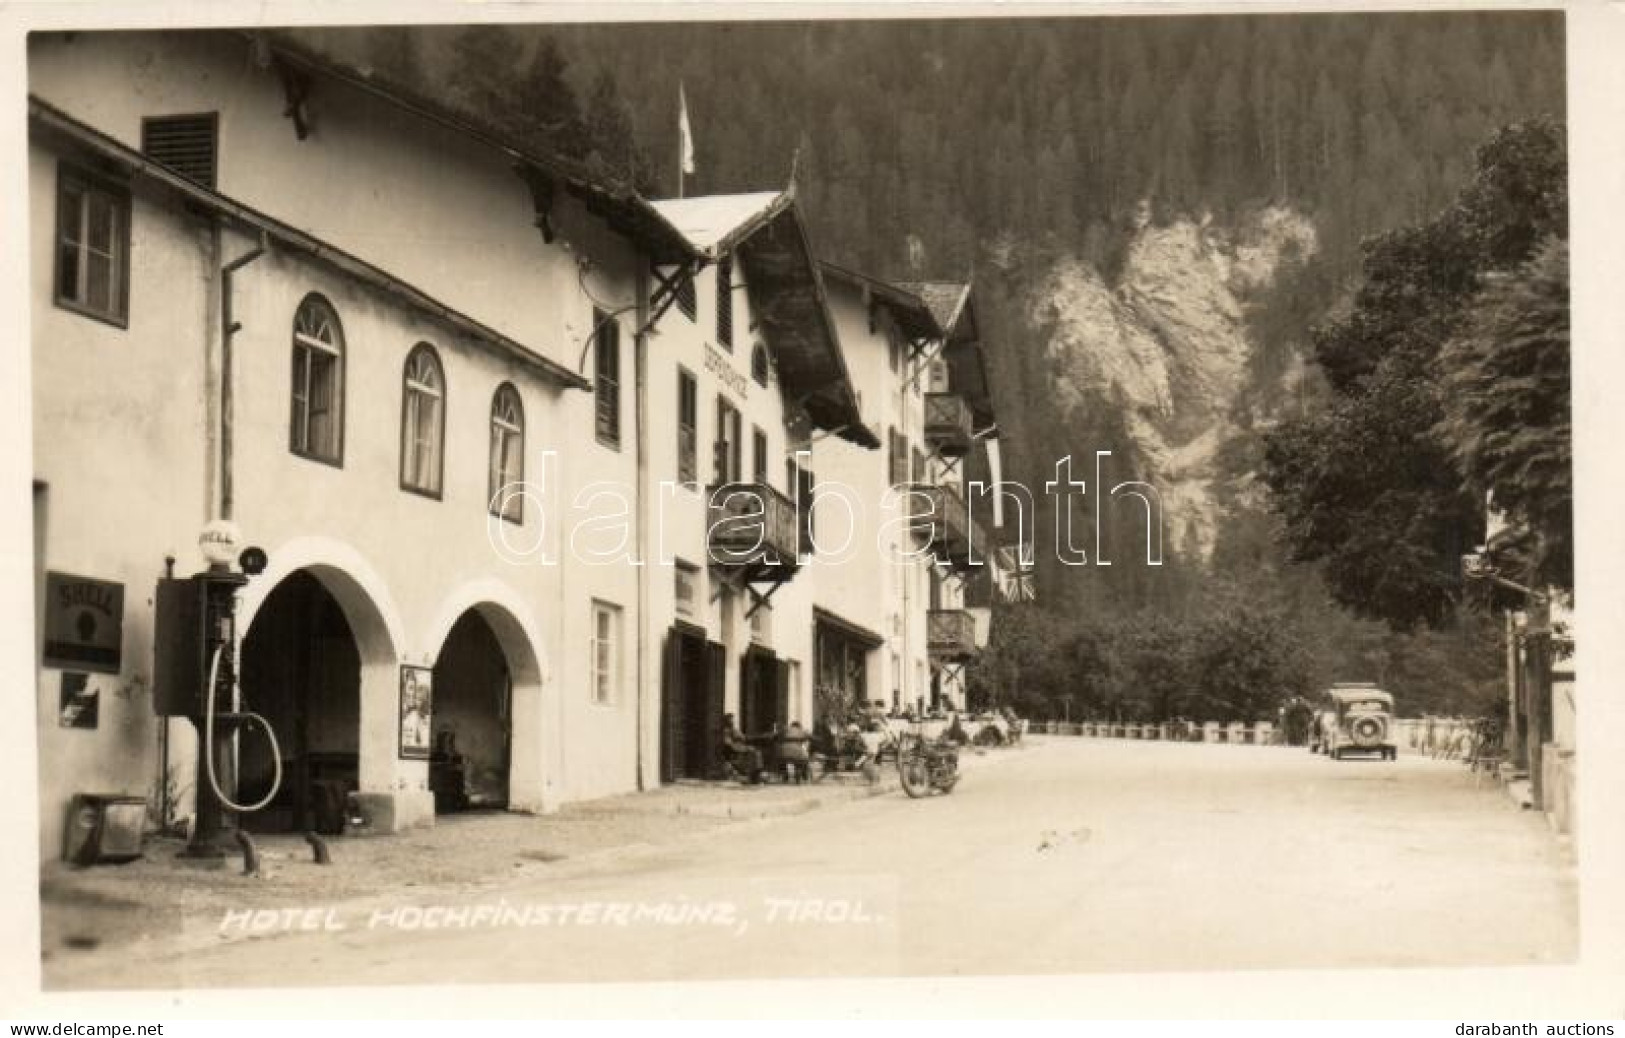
[[423, 421], [758, 365], [316, 428], [507, 454]]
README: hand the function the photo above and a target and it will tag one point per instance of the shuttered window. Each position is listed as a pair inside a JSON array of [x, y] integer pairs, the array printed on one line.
[[607, 333], [726, 461], [758, 365], [686, 300], [898, 450], [187, 144], [688, 428], [725, 303]]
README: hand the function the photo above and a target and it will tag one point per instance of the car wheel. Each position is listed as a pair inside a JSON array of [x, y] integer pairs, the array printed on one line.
[[1337, 753]]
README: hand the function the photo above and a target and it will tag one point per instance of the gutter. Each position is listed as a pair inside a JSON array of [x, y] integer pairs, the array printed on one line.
[[228, 331]]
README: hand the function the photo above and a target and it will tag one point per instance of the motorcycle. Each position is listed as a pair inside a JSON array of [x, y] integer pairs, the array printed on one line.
[[926, 766]]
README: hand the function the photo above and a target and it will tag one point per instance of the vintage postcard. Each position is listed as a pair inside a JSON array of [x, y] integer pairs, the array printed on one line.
[[547, 497]]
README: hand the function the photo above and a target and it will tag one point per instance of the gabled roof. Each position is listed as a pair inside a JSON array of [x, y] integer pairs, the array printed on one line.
[[714, 223], [764, 231], [50, 124], [952, 305], [912, 314], [945, 299], [604, 195]]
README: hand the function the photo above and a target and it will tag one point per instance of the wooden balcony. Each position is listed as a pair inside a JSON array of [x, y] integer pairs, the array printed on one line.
[[938, 517], [948, 424], [950, 634], [752, 525]]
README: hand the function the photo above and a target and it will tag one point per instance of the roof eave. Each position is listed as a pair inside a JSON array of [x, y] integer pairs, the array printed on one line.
[[42, 114], [667, 238]]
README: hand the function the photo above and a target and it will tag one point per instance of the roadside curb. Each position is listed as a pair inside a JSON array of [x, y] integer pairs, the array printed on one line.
[[842, 793]]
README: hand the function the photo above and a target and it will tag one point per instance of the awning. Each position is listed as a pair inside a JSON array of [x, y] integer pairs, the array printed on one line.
[[857, 632]]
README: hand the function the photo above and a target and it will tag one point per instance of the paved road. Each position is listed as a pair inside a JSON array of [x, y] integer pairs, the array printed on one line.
[[1070, 856]]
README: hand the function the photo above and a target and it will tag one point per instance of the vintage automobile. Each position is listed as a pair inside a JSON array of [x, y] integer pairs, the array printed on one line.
[[1361, 720]]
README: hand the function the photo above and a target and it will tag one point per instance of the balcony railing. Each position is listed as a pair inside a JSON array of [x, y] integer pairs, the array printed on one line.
[[950, 634], [938, 516], [948, 424], [753, 524]]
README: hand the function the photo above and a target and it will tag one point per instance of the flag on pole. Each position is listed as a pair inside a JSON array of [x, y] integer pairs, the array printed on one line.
[[685, 137]]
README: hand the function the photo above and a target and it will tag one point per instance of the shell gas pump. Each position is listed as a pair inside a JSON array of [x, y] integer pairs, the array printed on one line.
[[195, 676]]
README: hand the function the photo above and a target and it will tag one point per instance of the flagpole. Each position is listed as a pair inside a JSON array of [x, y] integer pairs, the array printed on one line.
[[682, 117]]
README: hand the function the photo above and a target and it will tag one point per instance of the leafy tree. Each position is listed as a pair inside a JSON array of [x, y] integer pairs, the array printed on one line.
[[1506, 404], [1368, 485], [1246, 661], [1021, 663]]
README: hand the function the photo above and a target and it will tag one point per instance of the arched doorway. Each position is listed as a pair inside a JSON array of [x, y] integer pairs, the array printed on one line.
[[473, 719], [488, 692], [300, 668]]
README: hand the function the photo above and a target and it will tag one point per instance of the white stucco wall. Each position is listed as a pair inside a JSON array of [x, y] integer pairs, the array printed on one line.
[[102, 397], [876, 585], [681, 342], [124, 417], [449, 215]]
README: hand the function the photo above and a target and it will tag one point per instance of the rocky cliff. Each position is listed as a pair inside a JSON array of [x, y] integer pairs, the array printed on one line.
[[1167, 344]]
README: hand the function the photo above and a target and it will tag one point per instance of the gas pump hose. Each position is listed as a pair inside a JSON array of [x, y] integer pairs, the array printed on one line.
[[208, 747]]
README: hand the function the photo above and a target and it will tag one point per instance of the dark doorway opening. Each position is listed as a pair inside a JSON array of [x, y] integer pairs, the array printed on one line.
[[691, 705], [764, 692], [473, 719], [301, 670]]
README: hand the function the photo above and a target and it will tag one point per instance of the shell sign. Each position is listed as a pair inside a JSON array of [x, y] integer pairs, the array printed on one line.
[[84, 623]]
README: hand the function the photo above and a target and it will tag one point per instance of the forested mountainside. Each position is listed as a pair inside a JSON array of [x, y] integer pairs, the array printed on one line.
[[1156, 210]]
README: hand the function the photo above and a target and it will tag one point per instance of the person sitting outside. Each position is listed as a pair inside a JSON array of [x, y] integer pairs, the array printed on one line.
[[794, 751], [841, 747], [855, 745], [874, 718], [1017, 727], [739, 754]]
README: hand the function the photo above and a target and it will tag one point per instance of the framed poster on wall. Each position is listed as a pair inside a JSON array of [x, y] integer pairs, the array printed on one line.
[[417, 712]]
